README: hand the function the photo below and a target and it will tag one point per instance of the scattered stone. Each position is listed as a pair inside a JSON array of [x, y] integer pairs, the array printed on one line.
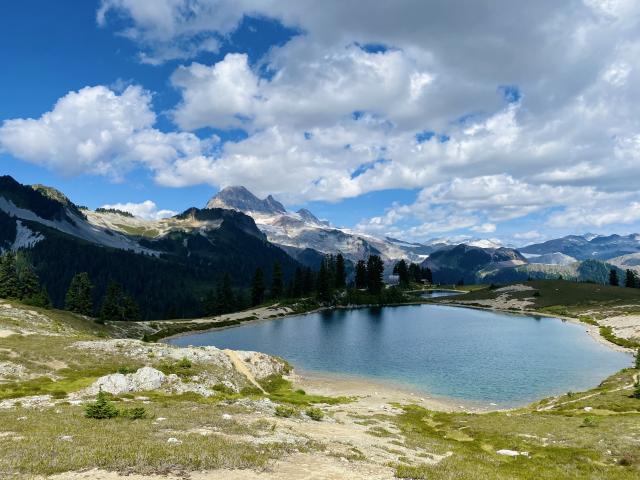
[[226, 416], [65, 438], [588, 409], [174, 441], [512, 453]]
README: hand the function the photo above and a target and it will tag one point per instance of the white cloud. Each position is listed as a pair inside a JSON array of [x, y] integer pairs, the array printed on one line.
[[484, 228], [98, 131], [565, 137], [217, 96], [147, 210], [86, 131]]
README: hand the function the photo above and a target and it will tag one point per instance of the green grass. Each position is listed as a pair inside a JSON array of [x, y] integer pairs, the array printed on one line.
[[281, 391], [124, 445], [558, 442]]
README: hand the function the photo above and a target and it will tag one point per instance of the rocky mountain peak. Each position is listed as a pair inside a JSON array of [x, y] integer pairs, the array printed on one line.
[[241, 199]]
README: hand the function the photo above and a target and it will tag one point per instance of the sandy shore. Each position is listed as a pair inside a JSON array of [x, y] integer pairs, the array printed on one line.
[[374, 393]]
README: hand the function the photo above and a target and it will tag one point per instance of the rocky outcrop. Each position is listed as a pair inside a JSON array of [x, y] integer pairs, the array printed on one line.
[[145, 379], [219, 369]]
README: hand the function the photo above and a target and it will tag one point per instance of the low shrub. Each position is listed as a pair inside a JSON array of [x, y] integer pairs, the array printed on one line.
[[136, 413], [314, 413], [285, 411]]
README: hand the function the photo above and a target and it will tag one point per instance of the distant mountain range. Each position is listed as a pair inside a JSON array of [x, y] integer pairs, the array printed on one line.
[[169, 264], [300, 232]]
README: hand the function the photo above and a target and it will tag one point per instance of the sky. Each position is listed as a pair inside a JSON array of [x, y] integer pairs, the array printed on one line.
[[516, 121]]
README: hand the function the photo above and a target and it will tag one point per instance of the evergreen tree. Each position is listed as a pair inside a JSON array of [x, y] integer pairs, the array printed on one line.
[[297, 285], [29, 283], [210, 303], [402, 271], [101, 409], [226, 301], [308, 281], [341, 273], [630, 280], [613, 277], [257, 288], [118, 306], [330, 261], [111, 304], [323, 285], [415, 272], [375, 269], [130, 309], [361, 274], [428, 275], [277, 284], [9, 284], [78, 298]]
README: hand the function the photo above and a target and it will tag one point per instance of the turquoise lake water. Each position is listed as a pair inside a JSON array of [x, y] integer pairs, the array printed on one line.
[[474, 355]]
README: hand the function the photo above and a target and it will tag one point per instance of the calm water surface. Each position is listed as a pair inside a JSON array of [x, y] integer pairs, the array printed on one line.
[[445, 351]]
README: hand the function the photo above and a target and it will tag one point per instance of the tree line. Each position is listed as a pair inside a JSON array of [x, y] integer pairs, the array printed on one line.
[[329, 283], [631, 279], [18, 280], [411, 272]]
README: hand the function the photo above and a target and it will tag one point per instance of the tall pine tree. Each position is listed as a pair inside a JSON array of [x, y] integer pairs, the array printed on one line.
[[361, 274], [9, 284], [118, 306], [78, 298], [277, 283], [631, 280], [341, 273], [257, 288], [613, 277], [323, 285], [375, 269]]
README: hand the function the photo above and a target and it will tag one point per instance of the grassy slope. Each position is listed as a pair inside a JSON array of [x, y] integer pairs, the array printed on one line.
[[30, 438]]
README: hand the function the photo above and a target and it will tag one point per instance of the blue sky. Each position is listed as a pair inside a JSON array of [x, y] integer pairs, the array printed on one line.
[[418, 121]]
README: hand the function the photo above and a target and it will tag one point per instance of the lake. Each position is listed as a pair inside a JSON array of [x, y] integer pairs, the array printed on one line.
[[475, 355]]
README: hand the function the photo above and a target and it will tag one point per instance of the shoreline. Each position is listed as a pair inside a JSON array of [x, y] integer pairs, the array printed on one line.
[[382, 391]]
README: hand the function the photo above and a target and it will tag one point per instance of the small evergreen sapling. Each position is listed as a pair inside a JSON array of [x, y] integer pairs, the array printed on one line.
[[101, 408]]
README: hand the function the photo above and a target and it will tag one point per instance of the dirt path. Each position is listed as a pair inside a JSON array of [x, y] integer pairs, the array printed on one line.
[[242, 368]]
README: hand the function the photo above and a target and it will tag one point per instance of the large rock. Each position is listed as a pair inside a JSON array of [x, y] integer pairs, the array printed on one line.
[[145, 379]]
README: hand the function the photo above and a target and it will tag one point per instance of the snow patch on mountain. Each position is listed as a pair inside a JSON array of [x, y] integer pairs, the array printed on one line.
[[25, 237], [77, 227]]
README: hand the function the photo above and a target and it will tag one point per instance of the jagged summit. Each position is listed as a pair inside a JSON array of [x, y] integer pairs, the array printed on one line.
[[309, 217], [239, 198]]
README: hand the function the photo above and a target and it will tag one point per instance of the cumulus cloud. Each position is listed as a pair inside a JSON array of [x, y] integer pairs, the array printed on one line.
[[479, 110], [86, 131], [98, 131], [147, 210]]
